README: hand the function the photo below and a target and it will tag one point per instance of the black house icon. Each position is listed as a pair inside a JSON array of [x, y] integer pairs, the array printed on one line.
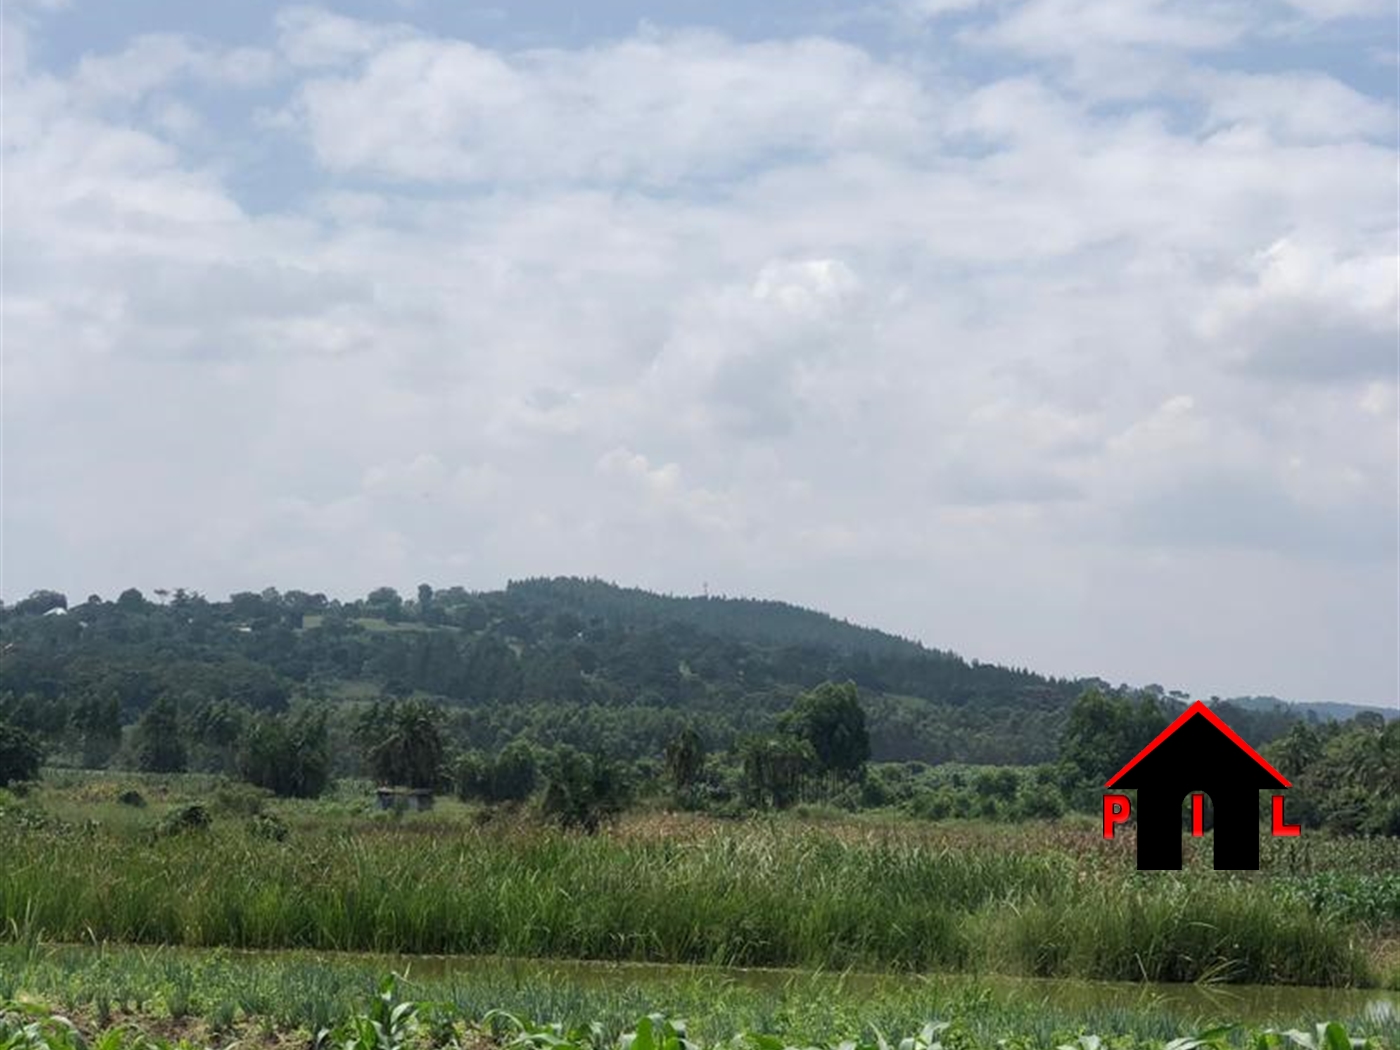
[[1198, 753]]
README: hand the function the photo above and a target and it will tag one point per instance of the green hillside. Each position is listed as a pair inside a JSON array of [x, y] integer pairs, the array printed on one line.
[[554, 660], [1321, 710]]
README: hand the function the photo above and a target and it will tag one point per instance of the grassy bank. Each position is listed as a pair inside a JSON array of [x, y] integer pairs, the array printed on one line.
[[779, 894]]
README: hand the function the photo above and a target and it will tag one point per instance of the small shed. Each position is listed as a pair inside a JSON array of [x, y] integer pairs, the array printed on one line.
[[404, 800]]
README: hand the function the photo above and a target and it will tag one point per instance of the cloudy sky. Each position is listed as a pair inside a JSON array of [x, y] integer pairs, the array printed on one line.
[[1061, 333]]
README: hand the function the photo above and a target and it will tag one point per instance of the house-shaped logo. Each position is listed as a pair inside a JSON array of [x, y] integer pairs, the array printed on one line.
[[1196, 755]]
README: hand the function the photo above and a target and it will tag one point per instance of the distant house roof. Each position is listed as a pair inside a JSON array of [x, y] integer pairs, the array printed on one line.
[[1209, 718]]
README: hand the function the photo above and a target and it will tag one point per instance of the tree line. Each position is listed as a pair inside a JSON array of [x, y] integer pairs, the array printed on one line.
[[577, 662], [574, 691]]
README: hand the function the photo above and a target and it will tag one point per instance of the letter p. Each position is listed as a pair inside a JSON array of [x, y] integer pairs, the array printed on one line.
[[1115, 811]]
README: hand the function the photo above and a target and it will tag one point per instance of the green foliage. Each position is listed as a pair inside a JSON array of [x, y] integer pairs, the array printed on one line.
[[403, 743], [1346, 776], [95, 722], [510, 776], [471, 776], [766, 893], [24, 1026], [831, 719], [685, 762], [288, 754], [1104, 732], [186, 819], [268, 826], [617, 672], [514, 773], [774, 768], [1218, 932], [160, 748], [1346, 896], [576, 662], [582, 791], [20, 755], [392, 1022]]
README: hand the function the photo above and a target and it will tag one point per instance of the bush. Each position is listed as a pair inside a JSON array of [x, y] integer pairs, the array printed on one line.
[[514, 775], [582, 791], [160, 748], [509, 777], [186, 819], [239, 800], [20, 755], [132, 797], [268, 826], [471, 777], [1041, 803], [290, 756]]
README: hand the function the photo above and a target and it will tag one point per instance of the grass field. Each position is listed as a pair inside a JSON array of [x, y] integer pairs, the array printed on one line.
[[1041, 900]]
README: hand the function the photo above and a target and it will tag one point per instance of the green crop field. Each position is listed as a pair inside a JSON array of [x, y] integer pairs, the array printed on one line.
[[114, 999]]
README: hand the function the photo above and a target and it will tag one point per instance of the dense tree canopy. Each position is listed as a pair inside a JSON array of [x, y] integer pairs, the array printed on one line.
[[1104, 732], [288, 755], [831, 719], [577, 662]]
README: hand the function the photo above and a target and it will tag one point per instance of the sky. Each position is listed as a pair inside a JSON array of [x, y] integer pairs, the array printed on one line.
[[1058, 333]]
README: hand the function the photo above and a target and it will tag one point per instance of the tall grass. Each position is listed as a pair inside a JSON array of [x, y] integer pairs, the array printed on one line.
[[1173, 932], [749, 896]]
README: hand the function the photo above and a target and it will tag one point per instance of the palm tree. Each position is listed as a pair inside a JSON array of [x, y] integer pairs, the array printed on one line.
[[403, 743]]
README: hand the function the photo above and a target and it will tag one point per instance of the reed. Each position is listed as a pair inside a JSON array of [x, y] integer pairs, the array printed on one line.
[[750, 895]]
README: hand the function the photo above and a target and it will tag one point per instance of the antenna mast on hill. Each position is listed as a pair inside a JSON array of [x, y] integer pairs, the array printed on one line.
[[705, 588]]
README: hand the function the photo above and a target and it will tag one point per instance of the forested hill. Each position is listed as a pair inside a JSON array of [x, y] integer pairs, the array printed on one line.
[[552, 660], [1317, 710], [749, 619]]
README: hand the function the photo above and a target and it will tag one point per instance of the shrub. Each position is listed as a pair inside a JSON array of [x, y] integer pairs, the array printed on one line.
[[160, 748], [20, 755], [191, 818], [239, 800], [510, 777], [289, 756], [268, 826], [581, 790]]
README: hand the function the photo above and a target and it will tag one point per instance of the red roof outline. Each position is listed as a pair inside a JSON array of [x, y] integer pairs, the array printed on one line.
[[1199, 708]]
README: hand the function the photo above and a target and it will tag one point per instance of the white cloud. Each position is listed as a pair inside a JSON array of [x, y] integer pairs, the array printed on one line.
[[311, 37], [154, 60], [1174, 425], [934, 9], [1005, 362], [809, 289], [658, 108], [1331, 10], [663, 491], [1307, 311], [1070, 27], [1305, 108]]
